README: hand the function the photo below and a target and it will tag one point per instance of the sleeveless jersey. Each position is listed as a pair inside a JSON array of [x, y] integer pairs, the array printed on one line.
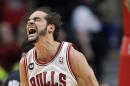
[[55, 73]]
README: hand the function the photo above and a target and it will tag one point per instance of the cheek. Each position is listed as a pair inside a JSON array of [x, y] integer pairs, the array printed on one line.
[[42, 26]]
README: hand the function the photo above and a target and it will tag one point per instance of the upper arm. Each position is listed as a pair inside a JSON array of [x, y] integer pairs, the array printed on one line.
[[23, 74], [81, 69]]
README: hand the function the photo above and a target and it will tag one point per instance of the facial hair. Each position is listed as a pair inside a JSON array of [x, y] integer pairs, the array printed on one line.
[[43, 32], [40, 33]]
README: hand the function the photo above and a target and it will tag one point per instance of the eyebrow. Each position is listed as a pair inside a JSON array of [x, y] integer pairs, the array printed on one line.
[[34, 18]]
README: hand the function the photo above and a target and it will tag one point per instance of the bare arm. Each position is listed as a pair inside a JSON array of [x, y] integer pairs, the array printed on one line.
[[82, 71], [23, 75]]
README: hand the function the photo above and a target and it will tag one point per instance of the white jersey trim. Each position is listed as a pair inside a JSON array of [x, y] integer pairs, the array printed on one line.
[[68, 62], [25, 64]]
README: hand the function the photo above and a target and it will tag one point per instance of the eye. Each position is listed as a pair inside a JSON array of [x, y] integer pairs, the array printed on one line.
[[37, 19]]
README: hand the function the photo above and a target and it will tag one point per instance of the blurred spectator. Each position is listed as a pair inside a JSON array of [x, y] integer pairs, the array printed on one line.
[[90, 36], [111, 20], [13, 78], [9, 49], [13, 11]]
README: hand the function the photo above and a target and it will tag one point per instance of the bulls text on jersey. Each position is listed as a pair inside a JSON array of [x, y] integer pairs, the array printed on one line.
[[40, 80]]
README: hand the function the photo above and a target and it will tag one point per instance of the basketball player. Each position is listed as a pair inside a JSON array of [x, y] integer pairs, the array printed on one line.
[[51, 63]]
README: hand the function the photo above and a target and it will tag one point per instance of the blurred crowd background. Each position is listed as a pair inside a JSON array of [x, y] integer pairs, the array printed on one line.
[[94, 26]]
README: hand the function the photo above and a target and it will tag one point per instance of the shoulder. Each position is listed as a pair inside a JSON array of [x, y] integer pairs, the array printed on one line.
[[76, 61], [22, 63], [26, 55], [75, 54], [23, 72], [22, 60]]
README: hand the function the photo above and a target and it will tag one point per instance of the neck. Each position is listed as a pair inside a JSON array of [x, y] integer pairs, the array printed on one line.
[[46, 49]]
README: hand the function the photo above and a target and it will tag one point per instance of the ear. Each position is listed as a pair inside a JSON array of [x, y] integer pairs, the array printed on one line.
[[51, 28]]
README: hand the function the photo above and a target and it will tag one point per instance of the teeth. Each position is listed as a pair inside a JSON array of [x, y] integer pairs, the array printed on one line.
[[32, 30]]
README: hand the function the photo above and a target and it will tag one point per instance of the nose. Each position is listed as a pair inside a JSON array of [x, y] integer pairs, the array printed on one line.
[[31, 21]]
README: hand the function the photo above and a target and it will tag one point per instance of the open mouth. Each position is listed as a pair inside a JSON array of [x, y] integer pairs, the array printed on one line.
[[32, 30]]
